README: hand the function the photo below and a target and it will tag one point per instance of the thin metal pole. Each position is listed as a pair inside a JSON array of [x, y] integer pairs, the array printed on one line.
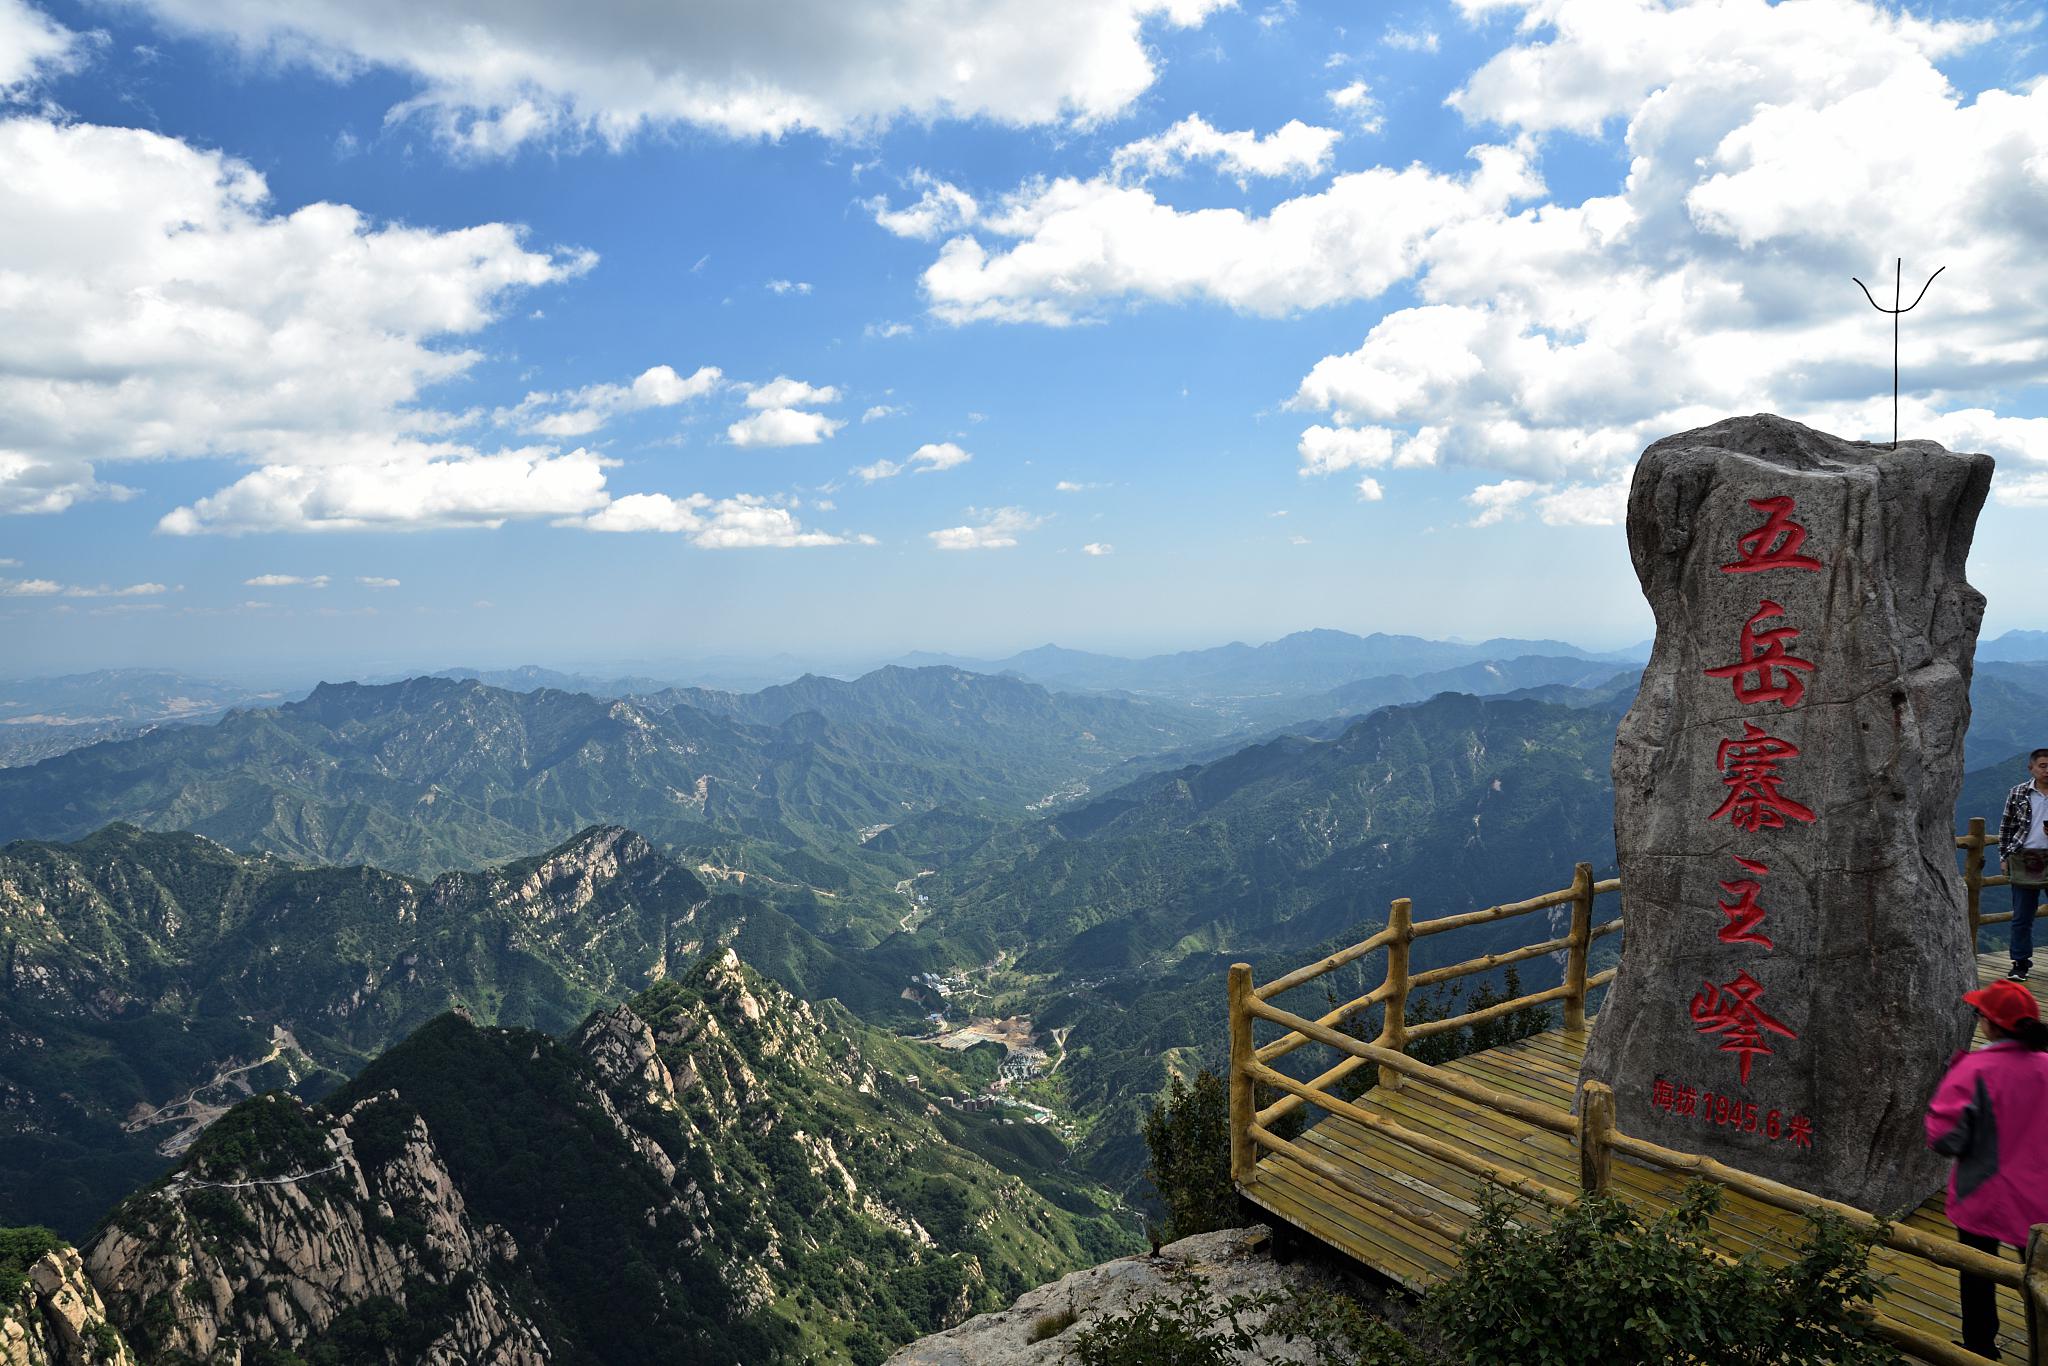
[[1898, 293]]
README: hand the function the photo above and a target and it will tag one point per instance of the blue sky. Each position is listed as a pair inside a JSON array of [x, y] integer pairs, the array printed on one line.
[[368, 336]]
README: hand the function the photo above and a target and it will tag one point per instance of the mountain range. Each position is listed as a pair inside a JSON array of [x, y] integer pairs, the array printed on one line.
[[711, 1172]]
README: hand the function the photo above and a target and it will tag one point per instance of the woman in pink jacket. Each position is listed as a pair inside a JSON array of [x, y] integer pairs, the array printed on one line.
[[1990, 1114]]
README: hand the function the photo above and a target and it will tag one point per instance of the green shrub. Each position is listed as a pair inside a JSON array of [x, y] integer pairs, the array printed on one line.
[[1188, 1137], [1187, 1328], [1599, 1287], [1184, 1329], [20, 1249]]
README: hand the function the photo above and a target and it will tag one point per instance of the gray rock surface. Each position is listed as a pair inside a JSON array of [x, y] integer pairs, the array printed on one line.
[[1860, 634], [1230, 1262], [59, 1320]]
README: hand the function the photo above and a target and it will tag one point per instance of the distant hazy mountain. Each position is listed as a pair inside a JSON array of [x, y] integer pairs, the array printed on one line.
[[41, 717], [147, 969], [435, 773], [2014, 647], [716, 1173], [527, 677], [1486, 678], [1302, 663], [1459, 799]]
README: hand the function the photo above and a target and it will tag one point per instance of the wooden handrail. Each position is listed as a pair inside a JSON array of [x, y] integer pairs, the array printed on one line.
[[1431, 1028], [1952, 1255], [1287, 1043], [1421, 1142], [1577, 945], [1314, 970], [1464, 1087], [1506, 911], [1487, 962], [1344, 1180], [1394, 1019], [1593, 1131]]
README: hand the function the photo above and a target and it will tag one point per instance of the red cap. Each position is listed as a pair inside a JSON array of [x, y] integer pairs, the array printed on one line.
[[2005, 1003]]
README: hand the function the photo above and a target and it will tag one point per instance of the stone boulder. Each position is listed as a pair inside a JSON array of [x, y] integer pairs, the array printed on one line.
[[1784, 796]]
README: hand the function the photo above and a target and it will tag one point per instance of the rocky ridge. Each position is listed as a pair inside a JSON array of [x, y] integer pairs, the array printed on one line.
[[58, 1319], [714, 1172]]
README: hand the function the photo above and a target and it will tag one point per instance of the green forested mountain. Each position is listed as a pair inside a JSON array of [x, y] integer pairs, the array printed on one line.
[[1456, 801], [435, 773], [1297, 664], [715, 1173], [154, 978]]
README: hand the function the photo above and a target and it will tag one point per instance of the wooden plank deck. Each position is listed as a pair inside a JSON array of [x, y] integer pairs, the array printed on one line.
[[1545, 1069]]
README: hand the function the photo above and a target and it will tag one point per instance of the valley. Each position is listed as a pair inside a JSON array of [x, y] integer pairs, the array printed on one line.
[[867, 920]]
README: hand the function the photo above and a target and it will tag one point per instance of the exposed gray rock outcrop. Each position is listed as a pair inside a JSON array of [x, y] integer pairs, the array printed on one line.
[[58, 1319], [1784, 798], [1229, 1262], [215, 1267]]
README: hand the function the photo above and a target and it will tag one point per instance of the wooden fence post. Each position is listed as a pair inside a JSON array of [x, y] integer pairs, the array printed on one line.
[[1582, 943], [2034, 1290], [1242, 1159], [1973, 878], [1596, 1127], [1394, 1033]]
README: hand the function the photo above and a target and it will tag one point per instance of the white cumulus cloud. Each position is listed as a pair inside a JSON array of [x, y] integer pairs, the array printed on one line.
[[784, 392], [746, 521], [415, 491], [933, 455], [783, 427], [490, 77], [1079, 245], [940, 207], [32, 46], [993, 529], [1356, 101], [1098, 548], [286, 581], [374, 581], [1293, 149], [578, 412], [157, 308]]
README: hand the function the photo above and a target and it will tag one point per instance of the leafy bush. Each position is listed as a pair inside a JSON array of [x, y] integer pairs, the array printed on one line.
[[1184, 1329], [1599, 1287], [1187, 1328], [1188, 1137], [20, 1249]]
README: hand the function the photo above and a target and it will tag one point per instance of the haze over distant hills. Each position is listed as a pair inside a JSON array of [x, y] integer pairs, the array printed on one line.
[[904, 851], [1304, 662]]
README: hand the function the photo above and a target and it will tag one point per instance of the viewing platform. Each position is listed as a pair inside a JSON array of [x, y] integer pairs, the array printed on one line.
[[1391, 1178]]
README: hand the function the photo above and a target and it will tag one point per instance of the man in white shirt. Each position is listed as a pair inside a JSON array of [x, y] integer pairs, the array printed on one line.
[[2023, 850]]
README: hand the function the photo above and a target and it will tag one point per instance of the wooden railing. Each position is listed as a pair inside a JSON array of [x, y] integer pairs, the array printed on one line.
[[1592, 1130]]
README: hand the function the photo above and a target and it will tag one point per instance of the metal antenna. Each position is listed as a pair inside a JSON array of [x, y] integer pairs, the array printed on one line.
[[1898, 279]]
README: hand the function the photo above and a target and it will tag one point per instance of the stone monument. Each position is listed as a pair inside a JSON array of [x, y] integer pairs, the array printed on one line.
[[1784, 806]]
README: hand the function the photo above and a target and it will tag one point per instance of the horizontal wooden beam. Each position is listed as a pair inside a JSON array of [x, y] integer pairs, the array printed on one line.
[[1421, 1142], [1506, 911], [1330, 964], [1287, 1043], [1494, 1012], [1345, 1181], [1542, 1116], [1937, 1250], [1487, 962]]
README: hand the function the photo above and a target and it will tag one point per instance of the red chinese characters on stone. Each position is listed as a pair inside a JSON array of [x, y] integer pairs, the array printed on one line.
[[1767, 670], [1743, 915], [1731, 1112], [1749, 770], [1775, 544], [1731, 1010]]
